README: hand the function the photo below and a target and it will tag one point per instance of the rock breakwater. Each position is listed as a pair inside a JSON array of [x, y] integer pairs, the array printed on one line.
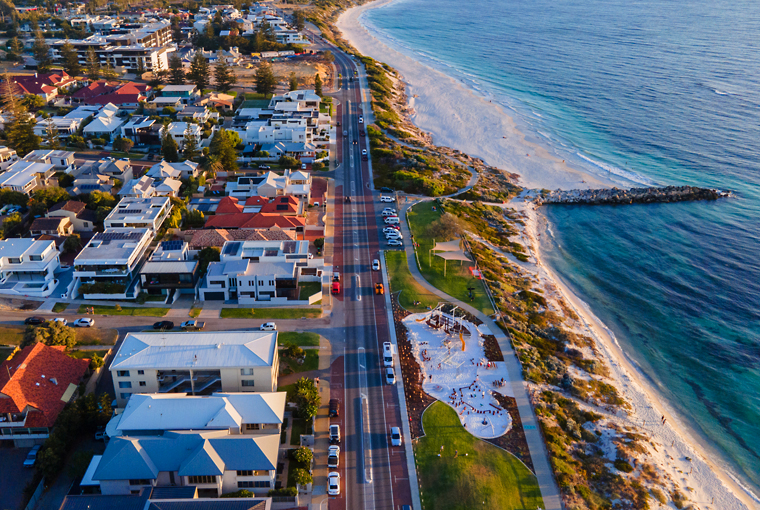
[[630, 196]]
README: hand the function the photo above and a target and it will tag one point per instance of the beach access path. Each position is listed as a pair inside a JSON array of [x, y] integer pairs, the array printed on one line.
[[536, 444]]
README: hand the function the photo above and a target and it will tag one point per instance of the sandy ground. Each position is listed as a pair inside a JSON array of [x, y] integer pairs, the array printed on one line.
[[459, 119]]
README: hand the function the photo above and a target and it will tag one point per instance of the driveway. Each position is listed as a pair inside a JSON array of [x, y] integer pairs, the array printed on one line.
[[15, 476]]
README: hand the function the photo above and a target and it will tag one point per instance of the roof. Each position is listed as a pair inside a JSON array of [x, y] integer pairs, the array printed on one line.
[[169, 266], [106, 502], [281, 205], [129, 93], [39, 376], [95, 88], [212, 504], [47, 223], [21, 172], [132, 209], [189, 453], [229, 205], [178, 88], [70, 205], [21, 247], [213, 349], [103, 125], [42, 83], [254, 220], [113, 244], [217, 237]]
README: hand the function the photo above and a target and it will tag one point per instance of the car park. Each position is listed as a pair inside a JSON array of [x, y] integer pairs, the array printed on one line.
[[84, 322], [395, 242], [268, 326], [34, 320], [61, 320], [390, 375], [333, 483], [31, 457], [334, 434], [333, 456], [384, 198], [376, 265], [163, 325], [395, 436]]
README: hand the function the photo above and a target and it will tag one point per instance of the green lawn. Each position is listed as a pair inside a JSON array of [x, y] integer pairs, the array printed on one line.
[[195, 312], [402, 281], [301, 339], [458, 277], [311, 363], [290, 389], [269, 313], [59, 307], [488, 477], [125, 310], [308, 289], [131, 155], [12, 335], [299, 427]]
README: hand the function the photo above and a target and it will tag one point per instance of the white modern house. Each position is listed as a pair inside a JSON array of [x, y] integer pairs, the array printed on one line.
[[28, 266], [133, 212], [178, 131], [144, 187], [104, 125], [62, 161], [165, 169], [8, 156], [26, 176], [199, 363], [270, 185]]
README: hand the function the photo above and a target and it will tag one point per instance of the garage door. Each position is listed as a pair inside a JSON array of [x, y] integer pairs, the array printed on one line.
[[214, 296]]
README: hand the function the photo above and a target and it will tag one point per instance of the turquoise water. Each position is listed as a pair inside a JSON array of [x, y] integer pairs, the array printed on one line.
[[651, 92]]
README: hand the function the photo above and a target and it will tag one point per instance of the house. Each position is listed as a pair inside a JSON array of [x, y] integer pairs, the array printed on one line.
[[302, 151], [251, 271], [139, 188], [128, 95], [168, 188], [222, 102], [26, 176], [132, 212], [186, 168], [199, 114], [100, 175], [45, 85], [296, 184], [62, 126], [199, 239], [107, 266], [94, 89], [284, 206], [8, 156], [199, 363], [35, 386], [62, 161], [81, 218], [103, 126], [170, 269], [186, 93], [259, 221], [28, 266], [163, 170], [178, 131], [138, 129], [169, 497], [159, 103], [51, 226]]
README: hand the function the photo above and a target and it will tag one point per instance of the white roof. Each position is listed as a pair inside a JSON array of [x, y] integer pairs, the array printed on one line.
[[103, 125], [178, 88], [184, 350]]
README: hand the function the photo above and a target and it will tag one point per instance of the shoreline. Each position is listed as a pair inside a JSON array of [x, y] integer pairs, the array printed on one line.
[[713, 487]]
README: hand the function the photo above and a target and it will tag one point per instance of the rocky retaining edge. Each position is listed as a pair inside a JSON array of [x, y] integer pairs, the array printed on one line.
[[630, 196]]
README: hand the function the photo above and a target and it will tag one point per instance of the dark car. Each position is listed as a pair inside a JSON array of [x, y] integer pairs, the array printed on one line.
[[163, 325], [264, 167], [386, 189], [34, 320], [334, 408], [365, 158], [362, 133]]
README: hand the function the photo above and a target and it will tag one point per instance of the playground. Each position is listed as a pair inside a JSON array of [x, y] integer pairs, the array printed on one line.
[[454, 369]]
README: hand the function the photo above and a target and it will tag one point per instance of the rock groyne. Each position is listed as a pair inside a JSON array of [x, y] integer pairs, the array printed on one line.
[[630, 196]]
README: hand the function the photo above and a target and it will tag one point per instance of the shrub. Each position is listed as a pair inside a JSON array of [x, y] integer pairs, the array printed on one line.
[[96, 362], [103, 288], [623, 465], [303, 455], [242, 493], [659, 495], [302, 477], [285, 491], [679, 500]]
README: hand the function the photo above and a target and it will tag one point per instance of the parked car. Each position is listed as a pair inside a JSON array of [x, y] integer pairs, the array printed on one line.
[[395, 242], [385, 198], [391, 220], [268, 326], [61, 320], [376, 265], [84, 322], [163, 325], [387, 213], [333, 456], [391, 209], [334, 408], [31, 457], [265, 167], [193, 325], [386, 189], [333, 483], [391, 228], [390, 375], [395, 436], [334, 434], [34, 320]]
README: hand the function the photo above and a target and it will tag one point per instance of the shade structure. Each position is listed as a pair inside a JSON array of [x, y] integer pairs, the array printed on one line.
[[448, 246], [453, 255]]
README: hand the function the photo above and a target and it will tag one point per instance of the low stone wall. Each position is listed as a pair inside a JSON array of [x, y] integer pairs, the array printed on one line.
[[630, 196]]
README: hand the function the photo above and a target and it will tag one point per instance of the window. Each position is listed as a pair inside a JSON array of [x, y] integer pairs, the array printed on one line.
[[14, 260], [142, 383], [201, 479], [248, 383], [125, 384], [141, 372], [125, 395], [216, 283], [122, 373], [246, 371], [253, 426], [140, 481], [86, 224], [245, 473], [261, 282], [251, 484], [271, 282]]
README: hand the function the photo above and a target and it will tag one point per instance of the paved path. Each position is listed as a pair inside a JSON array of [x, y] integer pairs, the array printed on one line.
[[538, 453]]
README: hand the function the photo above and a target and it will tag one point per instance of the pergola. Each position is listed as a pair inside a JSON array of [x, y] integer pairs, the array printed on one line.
[[449, 250]]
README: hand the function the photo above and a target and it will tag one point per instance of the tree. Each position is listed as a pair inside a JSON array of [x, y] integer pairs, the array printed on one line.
[[200, 72], [265, 80], [100, 199], [42, 53], [328, 56], [195, 219], [289, 162], [224, 76], [123, 144], [307, 398], [206, 256], [293, 81], [50, 333], [70, 59], [176, 72], [169, 147], [318, 84], [140, 67], [222, 148], [93, 64], [190, 147], [19, 130], [176, 29], [14, 45], [72, 243], [303, 455], [33, 101], [10, 224], [51, 135], [445, 228], [299, 20], [302, 477]]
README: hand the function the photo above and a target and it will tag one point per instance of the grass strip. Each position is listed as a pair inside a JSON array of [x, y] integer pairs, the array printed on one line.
[[125, 310], [270, 313]]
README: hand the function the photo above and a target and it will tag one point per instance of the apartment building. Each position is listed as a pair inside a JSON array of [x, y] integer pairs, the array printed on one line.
[[26, 176], [28, 266], [136, 212], [170, 269]]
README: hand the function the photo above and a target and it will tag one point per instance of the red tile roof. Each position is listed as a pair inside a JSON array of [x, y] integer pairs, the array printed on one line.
[[228, 205], [254, 220], [255, 200], [96, 88], [281, 205], [129, 93], [37, 377], [42, 82]]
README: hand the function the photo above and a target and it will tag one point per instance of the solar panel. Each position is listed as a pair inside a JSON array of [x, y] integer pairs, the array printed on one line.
[[129, 211], [115, 236], [231, 248], [172, 245], [289, 247], [282, 207]]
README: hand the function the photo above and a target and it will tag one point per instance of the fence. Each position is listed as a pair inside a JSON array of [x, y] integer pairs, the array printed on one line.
[[36, 495]]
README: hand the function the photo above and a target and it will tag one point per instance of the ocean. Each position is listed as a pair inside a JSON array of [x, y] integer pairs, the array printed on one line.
[[650, 92]]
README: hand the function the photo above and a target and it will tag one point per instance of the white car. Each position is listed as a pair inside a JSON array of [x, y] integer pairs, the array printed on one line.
[[364, 152], [390, 236], [392, 220], [333, 456], [61, 320], [390, 375], [384, 198], [395, 436], [361, 120], [84, 322], [31, 457], [395, 242], [268, 326], [390, 209], [333, 483], [376, 265], [387, 213], [390, 229]]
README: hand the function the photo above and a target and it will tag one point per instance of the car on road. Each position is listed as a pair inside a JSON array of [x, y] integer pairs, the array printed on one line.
[[385, 198], [364, 152], [334, 408], [390, 375], [356, 142], [395, 436], [386, 189], [387, 354], [376, 265], [268, 326], [362, 133], [361, 120], [265, 167], [163, 325], [365, 158], [61, 320], [84, 322], [379, 289], [333, 483], [31, 457], [395, 242], [345, 133], [333, 456], [334, 434], [34, 320]]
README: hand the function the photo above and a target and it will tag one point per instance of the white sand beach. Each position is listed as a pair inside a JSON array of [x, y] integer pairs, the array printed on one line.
[[458, 118]]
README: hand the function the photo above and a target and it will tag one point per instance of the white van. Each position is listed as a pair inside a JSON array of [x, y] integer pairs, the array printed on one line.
[[387, 354], [392, 220], [384, 198], [388, 212]]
